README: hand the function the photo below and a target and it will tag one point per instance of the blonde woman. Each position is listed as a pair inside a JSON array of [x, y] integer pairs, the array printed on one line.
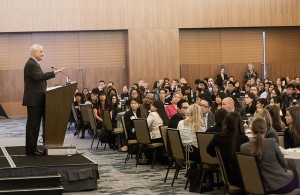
[[188, 127]]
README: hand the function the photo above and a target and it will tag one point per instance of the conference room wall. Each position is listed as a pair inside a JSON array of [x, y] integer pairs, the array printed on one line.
[[70, 15], [88, 57]]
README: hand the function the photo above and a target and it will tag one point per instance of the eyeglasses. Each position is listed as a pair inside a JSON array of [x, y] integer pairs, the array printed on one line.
[[205, 106]]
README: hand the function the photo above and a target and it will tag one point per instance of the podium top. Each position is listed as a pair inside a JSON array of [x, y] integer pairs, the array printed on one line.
[[59, 85]]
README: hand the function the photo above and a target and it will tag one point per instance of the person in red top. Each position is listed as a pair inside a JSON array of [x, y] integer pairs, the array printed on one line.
[[172, 108]]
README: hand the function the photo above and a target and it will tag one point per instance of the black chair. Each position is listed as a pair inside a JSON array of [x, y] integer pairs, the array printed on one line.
[[143, 138], [232, 189], [130, 143], [94, 127], [109, 127], [164, 136]]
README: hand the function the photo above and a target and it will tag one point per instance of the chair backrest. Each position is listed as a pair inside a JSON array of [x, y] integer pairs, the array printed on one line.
[[142, 131], [84, 114], [176, 144], [92, 119], [203, 139], [124, 127], [251, 175], [223, 170], [107, 120], [281, 138], [164, 136], [74, 113]]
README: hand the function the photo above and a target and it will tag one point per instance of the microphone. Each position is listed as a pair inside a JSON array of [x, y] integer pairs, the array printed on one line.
[[68, 78]]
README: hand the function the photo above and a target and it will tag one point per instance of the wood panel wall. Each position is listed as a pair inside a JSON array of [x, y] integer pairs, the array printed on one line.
[[203, 51], [88, 56], [283, 46]]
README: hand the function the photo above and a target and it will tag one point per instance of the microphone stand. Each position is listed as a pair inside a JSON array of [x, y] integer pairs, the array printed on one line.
[[68, 78]]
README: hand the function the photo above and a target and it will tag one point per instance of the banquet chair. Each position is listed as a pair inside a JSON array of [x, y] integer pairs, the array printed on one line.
[[109, 127], [251, 174], [94, 127], [75, 117], [130, 143], [164, 136], [144, 140], [177, 152], [281, 138], [85, 116], [210, 164], [232, 189]]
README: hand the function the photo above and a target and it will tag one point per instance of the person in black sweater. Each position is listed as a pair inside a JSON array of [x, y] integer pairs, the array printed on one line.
[[182, 106], [292, 133], [220, 115]]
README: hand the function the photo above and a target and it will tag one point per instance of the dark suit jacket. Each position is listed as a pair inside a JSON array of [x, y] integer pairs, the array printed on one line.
[[210, 120], [35, 84], [174, 120], [219, 80], [129, 125]]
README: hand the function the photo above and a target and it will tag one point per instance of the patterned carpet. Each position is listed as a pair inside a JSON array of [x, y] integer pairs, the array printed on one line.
[[115, 176]]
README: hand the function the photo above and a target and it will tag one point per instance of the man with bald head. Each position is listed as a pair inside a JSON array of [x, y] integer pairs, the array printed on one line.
[[228, 105]]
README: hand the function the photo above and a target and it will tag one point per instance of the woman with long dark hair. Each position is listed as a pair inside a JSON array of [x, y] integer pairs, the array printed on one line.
[[277, 180], [274, 111], [114, 102], [229, 142], [292, 132]]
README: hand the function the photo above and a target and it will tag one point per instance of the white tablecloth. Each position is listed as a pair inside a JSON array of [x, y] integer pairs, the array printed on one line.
[[292, 157]]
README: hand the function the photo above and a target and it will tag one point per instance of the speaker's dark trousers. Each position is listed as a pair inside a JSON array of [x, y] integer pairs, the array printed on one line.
[[35, 114]]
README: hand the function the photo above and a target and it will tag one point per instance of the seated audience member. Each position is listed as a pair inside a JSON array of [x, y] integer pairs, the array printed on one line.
[[172, 108], [134, 93], [125, 93], [85, 94], [288, 96], [220, 115], [264, 113], [275, 92], [162, 97], [254, 90], [218, 101], [92, 98], [98, 107], [230, 103], [261, 88], [237, 86], [208, 116], [292, 132], [277, 179], [215, 92], [250, 104], [133, 113], [114, 102], [261, 103], [145, 107], [157, 117], [188, 127], [182, 106], [169, 94], [231, 91], [274, 111], [277, 100], [266, 93], [174, 85], [229, 142], [77, 102]]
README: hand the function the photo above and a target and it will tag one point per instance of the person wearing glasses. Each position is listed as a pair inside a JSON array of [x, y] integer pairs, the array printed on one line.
[[205, 105], [182, 106]]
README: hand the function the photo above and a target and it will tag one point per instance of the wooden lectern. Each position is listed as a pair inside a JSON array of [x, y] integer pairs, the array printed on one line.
[[59, 100]]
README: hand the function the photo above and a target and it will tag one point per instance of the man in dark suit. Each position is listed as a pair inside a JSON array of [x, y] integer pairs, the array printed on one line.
[[209, 119], [34, 96]]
